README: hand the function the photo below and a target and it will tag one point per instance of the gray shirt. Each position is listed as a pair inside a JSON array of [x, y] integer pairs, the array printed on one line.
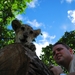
[[72, 65]]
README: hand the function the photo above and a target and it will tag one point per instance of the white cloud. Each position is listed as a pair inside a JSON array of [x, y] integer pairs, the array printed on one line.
[[39, 47], [46, 36], [71, 16], [34, 23], [46, 40], [33, 4], [69, 1], [20, 17]]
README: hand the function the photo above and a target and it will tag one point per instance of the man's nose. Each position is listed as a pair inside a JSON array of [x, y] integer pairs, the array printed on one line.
[[56, 52]]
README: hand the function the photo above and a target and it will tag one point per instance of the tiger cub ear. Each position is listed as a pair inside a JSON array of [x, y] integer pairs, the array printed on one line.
[[16, 24], [37, 32]]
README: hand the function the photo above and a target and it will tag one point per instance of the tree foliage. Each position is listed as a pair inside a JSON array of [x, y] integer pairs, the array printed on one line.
[[8, 10], [68, 38], [47, 57]]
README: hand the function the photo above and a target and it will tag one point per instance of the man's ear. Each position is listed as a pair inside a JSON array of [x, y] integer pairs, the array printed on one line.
[[37, 32], [16, 24], [71, 51]]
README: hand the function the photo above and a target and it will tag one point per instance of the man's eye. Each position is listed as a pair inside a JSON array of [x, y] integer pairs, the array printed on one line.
[[31, 32], [22, 28], [59, 49]]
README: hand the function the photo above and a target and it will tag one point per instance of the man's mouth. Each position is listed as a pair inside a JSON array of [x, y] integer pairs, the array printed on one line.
[[58, 57]]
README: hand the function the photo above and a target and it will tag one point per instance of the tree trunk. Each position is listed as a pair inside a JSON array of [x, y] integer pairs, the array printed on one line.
[[15, 59]]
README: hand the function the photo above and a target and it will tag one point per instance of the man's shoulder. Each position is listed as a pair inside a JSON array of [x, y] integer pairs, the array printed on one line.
[[72, 65]]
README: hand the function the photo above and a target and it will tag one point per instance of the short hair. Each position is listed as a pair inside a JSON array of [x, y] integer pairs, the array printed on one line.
[[65, 45]]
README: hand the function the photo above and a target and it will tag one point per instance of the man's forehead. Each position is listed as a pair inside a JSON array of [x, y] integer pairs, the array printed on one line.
[[57, 46]]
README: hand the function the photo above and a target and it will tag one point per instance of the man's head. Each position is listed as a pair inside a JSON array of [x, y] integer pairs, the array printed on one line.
[[62, 53]]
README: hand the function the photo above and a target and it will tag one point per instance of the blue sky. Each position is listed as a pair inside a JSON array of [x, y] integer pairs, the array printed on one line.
[[53, 17]]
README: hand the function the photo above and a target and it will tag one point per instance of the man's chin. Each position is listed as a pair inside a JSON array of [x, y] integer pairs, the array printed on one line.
[[59, 62]]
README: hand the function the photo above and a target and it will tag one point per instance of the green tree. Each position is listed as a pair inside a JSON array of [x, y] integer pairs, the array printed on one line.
[[47, 57], [8, 10], [68, 38]]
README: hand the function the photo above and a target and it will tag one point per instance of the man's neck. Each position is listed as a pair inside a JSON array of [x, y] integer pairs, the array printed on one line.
[[67, 65]]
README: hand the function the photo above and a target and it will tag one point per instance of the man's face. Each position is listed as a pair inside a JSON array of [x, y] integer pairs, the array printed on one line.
[[61, 54]]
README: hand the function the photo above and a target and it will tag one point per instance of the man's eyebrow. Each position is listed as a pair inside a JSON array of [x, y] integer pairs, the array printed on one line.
[[59, 48]]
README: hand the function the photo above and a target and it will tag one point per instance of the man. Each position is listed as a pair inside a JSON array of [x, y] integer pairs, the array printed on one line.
[[63, 55]]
